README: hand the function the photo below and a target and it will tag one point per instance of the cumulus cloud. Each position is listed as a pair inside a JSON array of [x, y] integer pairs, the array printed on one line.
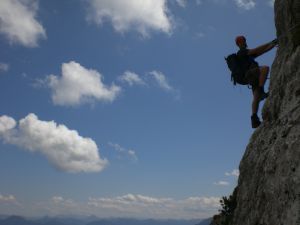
[[8, 199], [132, 205], [128, 199], [234, 173], [155, 77], [245, 4], [123, 151], [18, 22], [132, 154], [202, 202], [78, 85], [4, 67], [142, 16], [128, 205], [58, 205], [58, 200], [64, 148], [161, 80], [221, 183], [131, 78], [6, 123]]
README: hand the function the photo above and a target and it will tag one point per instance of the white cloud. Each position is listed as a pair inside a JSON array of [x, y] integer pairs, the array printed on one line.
[[4, 67], [58, 200], [203, 202], [132, 154], [129, 200], [221, 183], [161, 80], [64, 148], [234, 173], [138, 15], [78, 85], [131, 78], [245, 4], [181, 3], [18, 23], [123, 151], [6, 123], [8, 199], [145, 206], [128, 205]]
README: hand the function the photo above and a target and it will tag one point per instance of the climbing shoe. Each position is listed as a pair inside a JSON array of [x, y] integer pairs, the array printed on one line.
[[255, 122]]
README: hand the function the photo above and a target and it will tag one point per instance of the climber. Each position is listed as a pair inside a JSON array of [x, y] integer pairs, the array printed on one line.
[[255, 75]]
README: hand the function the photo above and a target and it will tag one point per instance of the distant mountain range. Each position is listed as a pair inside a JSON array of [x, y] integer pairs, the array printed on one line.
[[18, 220]]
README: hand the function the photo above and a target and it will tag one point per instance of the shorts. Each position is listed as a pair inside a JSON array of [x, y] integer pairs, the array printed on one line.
[[252, 76]]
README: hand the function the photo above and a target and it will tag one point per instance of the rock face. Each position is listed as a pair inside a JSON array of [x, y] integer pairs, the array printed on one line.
[[268, 191]]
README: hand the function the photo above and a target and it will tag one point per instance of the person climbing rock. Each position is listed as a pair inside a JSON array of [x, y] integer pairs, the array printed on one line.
[[255, 75]]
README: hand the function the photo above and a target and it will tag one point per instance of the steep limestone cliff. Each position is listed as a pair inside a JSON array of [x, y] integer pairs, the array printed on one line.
[[268, 191]]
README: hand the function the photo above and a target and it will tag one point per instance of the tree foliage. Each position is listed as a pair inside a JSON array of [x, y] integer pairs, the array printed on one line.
[[228, 205]]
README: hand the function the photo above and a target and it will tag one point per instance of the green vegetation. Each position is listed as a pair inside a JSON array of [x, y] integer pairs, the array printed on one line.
[[228, 206]]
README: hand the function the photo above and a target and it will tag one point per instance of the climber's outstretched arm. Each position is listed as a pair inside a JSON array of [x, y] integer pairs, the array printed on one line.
[[258, 51]]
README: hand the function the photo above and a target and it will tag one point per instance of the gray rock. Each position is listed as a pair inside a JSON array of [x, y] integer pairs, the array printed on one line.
[[268, 191]]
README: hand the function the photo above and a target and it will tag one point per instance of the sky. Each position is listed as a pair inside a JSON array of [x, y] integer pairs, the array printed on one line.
[[122, 108]]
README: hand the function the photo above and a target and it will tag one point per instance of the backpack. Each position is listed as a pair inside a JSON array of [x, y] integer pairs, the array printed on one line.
[[237, 69]]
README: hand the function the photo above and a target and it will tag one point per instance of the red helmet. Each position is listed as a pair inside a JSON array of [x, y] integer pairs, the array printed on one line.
[[240, 40]]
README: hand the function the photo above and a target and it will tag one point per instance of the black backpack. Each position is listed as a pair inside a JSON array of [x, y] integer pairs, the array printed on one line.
[[237, 69]]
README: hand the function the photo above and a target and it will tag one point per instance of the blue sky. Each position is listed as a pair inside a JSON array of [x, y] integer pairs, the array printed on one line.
[[123, 108]]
